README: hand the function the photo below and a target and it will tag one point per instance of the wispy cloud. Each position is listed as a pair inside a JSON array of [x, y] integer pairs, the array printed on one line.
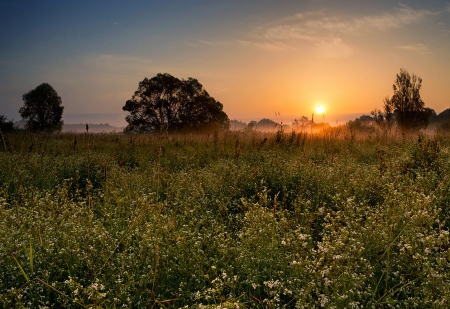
[[214, 43], [329, 33], [310, 26], [399, 17], [114, 59], [118, 64], [275, 46], [335, 48], [263, 45], [416, 48]]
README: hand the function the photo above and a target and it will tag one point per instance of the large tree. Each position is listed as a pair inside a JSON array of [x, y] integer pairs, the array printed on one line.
[[166, 103], [42, 109], [406, 104]]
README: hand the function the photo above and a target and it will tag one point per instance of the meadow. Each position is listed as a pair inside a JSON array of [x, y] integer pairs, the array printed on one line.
[[226, 220]]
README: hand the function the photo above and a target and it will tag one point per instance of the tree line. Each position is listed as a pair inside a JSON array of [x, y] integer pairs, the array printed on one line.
[[405, 110], [165, 103], [162, 103]]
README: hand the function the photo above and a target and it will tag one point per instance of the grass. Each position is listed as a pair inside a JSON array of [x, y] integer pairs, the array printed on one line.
[[226, 220]]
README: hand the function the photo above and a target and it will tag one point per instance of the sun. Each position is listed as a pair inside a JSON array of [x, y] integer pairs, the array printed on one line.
[[320, 109]]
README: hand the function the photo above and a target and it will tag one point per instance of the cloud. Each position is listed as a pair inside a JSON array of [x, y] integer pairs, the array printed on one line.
[[265, 45], [417, 48], [328, 32], [399, 17], [110, 58], [118, 64], [317, 27], [310, 26], [214, 43], [335, 48]]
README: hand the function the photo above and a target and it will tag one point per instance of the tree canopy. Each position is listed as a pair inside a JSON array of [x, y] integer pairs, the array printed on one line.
[[166, 103], [42, 109], [406, 104]]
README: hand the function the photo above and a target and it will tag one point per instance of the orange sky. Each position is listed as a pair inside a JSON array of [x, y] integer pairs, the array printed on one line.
[[258, 59]]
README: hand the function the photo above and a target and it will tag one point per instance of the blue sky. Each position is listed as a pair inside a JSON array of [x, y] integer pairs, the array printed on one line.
[[258, 58]]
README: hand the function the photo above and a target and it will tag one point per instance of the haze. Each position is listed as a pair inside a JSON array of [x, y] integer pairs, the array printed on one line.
[[257, 58]]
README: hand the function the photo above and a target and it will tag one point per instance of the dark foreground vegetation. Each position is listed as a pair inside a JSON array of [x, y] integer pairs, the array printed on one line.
[[229, 220]]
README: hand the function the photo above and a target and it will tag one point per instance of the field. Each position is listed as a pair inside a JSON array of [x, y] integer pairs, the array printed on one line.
[[226, 220]]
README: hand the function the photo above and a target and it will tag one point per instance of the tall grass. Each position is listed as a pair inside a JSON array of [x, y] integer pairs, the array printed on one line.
[[226, 220]]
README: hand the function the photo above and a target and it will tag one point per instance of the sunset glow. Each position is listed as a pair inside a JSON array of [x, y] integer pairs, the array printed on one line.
[[320, 110], [277, 59]]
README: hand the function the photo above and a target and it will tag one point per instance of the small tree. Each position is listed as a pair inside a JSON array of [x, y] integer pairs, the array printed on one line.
[[42, 109], [406, 104], [5, 124], [301, 124], [166, 103], [384, 119]]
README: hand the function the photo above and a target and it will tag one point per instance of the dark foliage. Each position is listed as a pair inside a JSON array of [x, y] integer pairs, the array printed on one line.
[[406, 104], [442, 117], [384, 119], [444, 127], [166, 103], [363, 124], [42, 109], [6, 125]]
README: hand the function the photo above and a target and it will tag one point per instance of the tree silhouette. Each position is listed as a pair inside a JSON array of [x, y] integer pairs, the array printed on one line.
[[301, 124], [166, 103], [5, 124], [363, 124], [384, 119], [406, 105], [42, 109]]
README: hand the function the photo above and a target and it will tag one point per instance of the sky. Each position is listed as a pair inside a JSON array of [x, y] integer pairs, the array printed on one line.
[[259, 58]]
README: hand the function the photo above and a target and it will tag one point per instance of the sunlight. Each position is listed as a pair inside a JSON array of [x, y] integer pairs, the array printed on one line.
[[320, 109]]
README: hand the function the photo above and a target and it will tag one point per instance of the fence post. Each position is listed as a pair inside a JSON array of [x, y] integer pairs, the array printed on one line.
[[2, 141]]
